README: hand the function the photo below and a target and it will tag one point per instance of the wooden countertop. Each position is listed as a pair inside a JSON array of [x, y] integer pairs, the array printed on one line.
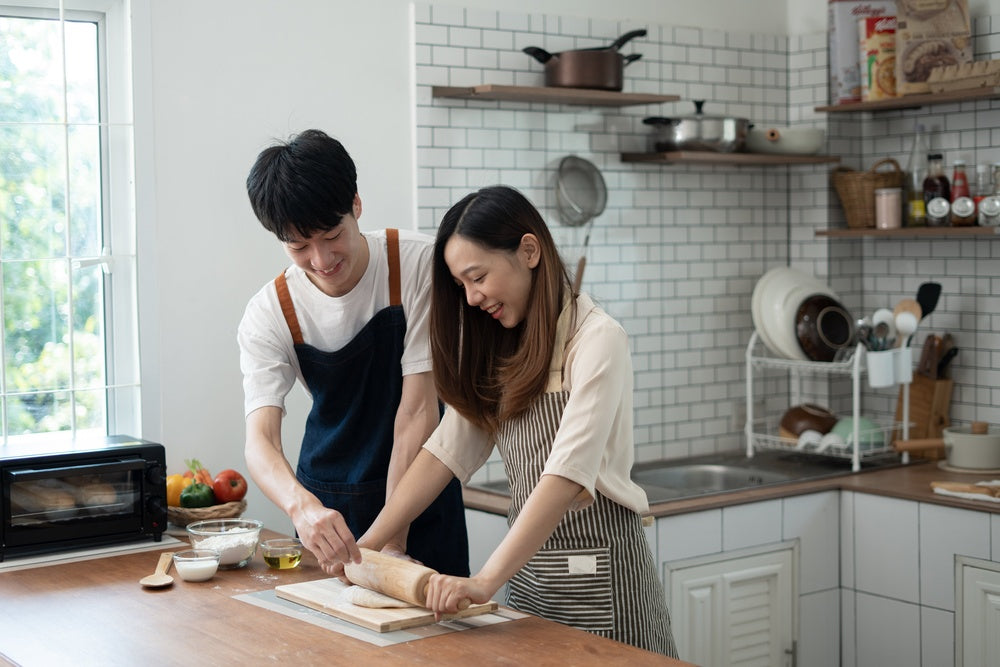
[[911, 482], [95, 612]]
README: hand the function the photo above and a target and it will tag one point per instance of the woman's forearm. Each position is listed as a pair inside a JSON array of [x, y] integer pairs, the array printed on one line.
[[423, 481]]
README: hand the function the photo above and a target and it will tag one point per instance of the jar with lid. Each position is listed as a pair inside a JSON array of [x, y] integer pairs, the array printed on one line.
[[888, 208], [989, 211], [938, 210], [963, 212], [936, 186]]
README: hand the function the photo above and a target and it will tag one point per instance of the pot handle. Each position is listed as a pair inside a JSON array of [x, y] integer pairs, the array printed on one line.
[[631, 58], [541, 55], [627, 37], [658, 120]]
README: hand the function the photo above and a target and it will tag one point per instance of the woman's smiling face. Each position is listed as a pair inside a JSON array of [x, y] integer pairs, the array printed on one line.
[[495, 281]]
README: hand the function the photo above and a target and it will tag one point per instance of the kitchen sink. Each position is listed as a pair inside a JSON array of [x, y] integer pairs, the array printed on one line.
[[725, 472]]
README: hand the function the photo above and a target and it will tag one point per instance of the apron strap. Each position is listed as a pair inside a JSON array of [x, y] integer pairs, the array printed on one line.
[[395, 298], [555, 380], [287, 309], [392, 248]]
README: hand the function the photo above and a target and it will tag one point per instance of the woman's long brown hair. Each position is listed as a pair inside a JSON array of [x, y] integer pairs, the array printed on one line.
[[487, 372]]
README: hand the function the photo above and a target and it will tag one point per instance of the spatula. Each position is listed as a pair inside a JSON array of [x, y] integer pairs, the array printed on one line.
[[160, 578], [927, 296]]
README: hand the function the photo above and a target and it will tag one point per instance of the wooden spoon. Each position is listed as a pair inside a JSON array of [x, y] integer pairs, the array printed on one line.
[[160, 578], [908, 313]]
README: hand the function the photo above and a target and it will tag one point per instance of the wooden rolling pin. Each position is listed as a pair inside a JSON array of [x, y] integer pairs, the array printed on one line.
[[393, 576]]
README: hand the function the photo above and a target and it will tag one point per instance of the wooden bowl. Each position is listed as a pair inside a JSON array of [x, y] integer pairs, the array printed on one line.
[[806, 417]]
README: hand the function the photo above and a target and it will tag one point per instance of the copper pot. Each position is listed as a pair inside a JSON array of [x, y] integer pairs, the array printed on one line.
[[600, 68]]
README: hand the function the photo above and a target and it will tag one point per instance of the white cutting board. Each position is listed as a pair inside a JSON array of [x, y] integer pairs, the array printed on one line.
[[325, 595]]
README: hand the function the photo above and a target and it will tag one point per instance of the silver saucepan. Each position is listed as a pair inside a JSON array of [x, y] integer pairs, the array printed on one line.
[[700, 132]]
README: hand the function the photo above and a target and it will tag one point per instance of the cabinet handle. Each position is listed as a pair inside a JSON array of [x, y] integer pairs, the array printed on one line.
[[793, 653]]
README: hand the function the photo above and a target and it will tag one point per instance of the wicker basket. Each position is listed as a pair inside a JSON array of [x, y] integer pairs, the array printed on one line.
[[856, 190], [182, 516]]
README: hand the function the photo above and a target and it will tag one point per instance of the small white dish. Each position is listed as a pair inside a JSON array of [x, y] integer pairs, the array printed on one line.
[[197, 564]]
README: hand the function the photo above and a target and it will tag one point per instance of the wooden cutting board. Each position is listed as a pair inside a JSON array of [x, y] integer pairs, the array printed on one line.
[[325, 595]]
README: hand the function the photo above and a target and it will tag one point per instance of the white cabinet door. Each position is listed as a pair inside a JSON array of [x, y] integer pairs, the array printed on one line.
[[734, 611], [979, 620]]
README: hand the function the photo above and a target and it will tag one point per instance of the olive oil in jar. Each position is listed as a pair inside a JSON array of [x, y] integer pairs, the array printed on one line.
[[282, 553], [285, 561]]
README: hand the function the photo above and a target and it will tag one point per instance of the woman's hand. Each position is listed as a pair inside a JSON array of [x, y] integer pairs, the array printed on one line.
[[447, 594]]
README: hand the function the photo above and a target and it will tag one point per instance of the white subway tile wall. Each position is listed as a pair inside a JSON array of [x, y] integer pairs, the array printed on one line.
[[678, 250]]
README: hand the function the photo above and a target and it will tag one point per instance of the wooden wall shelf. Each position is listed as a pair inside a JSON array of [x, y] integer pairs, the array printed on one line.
[[909, 232], [549, 95], [916, 101], [706, 157]]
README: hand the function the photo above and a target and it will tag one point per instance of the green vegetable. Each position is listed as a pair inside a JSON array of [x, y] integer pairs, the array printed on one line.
[[197, 495]]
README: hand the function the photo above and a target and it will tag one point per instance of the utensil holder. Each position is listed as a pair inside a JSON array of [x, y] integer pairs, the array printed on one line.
[[881, 368]]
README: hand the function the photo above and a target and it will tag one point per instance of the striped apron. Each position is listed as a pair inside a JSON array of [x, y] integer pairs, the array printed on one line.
[[595, 572]]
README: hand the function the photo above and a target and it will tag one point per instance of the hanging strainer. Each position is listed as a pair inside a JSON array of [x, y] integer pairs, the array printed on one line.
[[581, 193], [581, 196]]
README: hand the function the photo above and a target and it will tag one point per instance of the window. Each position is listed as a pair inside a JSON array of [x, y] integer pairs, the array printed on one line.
[[67, 232]]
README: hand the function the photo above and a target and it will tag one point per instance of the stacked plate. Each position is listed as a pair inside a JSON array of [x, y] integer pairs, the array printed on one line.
[[778, 314]]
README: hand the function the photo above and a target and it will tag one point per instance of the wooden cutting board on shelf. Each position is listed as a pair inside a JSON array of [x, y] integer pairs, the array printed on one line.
[[325, 595]]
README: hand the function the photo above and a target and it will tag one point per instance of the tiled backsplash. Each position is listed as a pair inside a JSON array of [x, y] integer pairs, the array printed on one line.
[[678, 250]]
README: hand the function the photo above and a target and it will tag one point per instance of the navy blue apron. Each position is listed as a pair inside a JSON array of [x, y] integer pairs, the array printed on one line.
[[349, 432]]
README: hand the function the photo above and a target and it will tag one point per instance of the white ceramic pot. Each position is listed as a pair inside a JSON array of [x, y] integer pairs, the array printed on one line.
[[976, 451], [785, 140]]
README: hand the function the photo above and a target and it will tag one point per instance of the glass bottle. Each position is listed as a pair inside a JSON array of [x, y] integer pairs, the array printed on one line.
[[936, 187], [959, 181], [916, 169], [963, 209]]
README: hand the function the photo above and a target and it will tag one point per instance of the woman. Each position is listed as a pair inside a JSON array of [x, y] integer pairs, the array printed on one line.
[[546, 376]]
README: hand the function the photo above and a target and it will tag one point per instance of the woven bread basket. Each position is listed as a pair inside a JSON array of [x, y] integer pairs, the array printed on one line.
[[856, 190], [182, 516]]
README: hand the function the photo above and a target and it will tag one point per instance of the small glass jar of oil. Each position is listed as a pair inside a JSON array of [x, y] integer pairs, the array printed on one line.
[[282, 554]]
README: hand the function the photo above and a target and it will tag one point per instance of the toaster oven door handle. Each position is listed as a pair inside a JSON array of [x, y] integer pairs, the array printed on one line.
[[116, 466]]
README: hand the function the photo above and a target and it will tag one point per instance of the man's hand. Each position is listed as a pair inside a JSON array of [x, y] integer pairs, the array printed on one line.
[[325, 533]]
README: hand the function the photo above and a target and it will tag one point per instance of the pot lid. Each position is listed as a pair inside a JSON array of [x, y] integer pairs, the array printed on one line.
[[699, 114]]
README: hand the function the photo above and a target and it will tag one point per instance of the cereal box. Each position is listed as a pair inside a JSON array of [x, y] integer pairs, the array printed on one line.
[[843, 15], [929, 34], [878, 57]]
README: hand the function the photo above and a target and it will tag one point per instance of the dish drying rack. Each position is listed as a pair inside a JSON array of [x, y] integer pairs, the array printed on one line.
[[853, 366]]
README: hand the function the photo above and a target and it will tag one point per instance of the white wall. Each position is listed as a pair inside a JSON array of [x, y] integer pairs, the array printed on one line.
[[216, 82]]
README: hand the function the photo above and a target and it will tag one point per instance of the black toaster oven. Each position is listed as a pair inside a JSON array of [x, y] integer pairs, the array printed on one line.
[[59, 494]]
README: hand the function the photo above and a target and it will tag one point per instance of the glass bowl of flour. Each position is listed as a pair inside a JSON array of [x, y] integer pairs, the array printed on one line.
[[235, 539]]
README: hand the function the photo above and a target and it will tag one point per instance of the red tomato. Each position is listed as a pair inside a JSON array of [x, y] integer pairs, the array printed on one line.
[[229, 486]]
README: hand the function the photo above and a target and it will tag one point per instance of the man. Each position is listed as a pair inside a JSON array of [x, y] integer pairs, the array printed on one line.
[[348, 319]]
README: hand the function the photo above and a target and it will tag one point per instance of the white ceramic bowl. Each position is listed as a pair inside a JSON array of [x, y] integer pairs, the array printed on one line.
[[775, 301], [785, 140]]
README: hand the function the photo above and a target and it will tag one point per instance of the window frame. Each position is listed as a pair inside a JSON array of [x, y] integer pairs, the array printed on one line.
[[118, 257]]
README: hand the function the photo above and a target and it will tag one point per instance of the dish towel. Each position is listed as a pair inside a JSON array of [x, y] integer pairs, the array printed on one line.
[[962, 490]]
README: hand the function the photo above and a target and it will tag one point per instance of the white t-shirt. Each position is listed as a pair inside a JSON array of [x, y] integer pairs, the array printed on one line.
[[594, 444], [267, 353]]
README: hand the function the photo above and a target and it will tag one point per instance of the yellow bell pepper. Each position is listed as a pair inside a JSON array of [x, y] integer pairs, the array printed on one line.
[[176, 484]]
